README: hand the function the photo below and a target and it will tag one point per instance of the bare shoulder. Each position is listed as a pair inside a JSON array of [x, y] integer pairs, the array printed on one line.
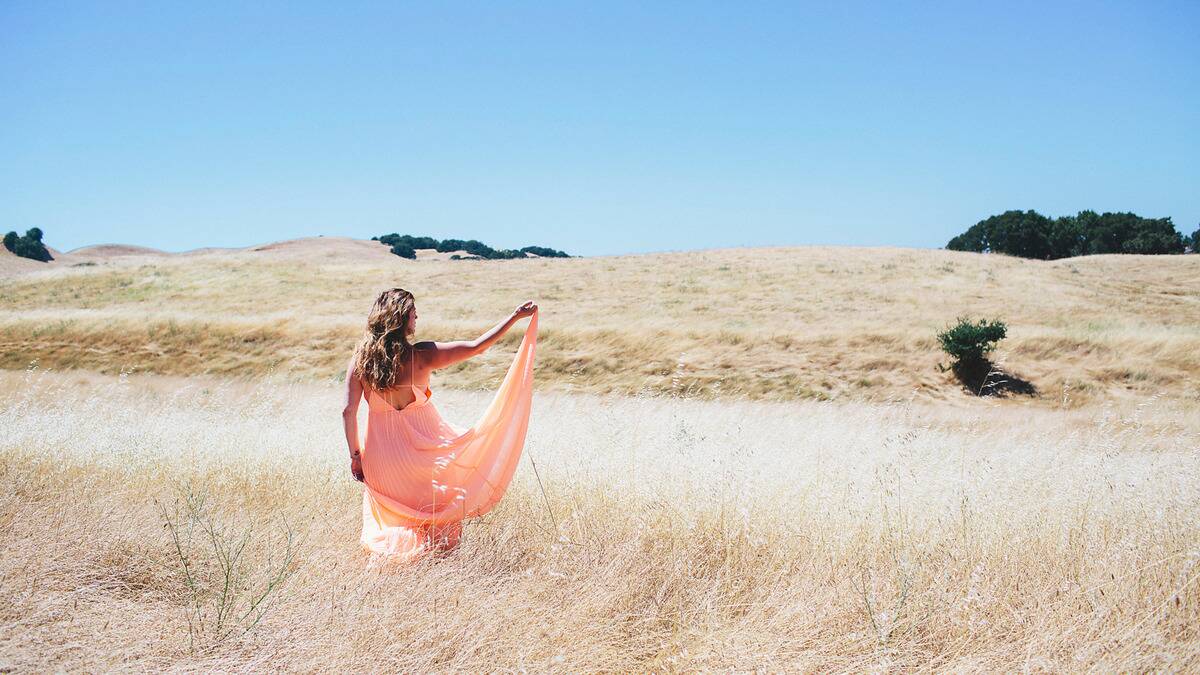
[[425, 350], [435, 355]]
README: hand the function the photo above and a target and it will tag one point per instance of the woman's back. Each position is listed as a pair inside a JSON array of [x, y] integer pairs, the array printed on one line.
[[399, 396]]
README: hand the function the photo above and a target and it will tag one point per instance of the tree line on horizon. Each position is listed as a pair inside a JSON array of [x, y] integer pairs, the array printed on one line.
[[1029, 234], [406, 245], [1026, 234]]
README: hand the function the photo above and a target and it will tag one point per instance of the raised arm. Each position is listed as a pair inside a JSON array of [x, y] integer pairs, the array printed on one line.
[[354, 393], [442, 354]]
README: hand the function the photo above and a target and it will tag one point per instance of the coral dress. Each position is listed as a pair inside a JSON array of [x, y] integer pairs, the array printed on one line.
[[423, 475]]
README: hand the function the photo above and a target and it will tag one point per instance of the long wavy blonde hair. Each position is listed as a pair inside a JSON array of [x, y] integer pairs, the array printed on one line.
[[385, 342]]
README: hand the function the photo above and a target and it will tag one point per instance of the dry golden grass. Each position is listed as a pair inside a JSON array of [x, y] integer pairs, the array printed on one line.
[[152, 522], [201, 516], [768, 323]]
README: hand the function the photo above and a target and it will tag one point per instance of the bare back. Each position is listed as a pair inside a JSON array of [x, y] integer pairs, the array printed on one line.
[[416, 372]]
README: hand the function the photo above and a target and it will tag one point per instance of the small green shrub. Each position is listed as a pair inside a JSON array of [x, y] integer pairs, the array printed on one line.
[[969, 343], [229, 588]]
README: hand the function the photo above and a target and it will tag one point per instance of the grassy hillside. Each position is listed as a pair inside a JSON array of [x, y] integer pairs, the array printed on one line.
[[774, 323]]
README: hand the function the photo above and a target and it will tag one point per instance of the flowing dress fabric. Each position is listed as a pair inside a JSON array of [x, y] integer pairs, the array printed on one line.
[[424, 475]]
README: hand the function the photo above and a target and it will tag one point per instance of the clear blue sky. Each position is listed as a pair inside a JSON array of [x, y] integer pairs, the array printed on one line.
[[598, 128]]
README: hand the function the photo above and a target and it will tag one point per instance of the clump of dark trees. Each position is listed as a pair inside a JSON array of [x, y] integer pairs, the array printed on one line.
[[406, 245], [1029, 234], [29, 246]]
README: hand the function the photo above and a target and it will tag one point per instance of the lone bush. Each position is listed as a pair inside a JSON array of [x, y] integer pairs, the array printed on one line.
[[969, 343]]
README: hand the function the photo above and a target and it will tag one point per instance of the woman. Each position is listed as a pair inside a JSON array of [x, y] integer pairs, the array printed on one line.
[[422, 475]]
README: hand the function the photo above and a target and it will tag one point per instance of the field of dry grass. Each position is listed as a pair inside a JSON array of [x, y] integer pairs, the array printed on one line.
[[155, 522], [769, 323], [750, 460]]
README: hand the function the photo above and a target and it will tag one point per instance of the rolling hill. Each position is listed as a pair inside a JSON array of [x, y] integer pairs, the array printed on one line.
[[762, 323]]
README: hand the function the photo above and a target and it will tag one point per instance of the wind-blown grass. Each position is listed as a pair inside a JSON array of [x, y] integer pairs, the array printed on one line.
[[155, 522]]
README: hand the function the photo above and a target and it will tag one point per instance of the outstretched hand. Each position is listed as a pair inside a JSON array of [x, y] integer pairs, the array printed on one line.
[[526, 309]]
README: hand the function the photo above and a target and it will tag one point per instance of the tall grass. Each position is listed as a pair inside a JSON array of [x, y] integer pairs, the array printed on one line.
[[153, 523]]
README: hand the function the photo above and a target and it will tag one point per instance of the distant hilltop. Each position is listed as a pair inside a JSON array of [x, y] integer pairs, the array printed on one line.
[[406, 245], [306, 248], [27, 253]]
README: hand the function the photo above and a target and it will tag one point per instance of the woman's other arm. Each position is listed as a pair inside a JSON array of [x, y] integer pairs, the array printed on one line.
[[354, 393], [449, 353]]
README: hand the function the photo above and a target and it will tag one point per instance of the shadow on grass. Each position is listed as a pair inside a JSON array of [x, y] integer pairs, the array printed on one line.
[[988, 379]]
